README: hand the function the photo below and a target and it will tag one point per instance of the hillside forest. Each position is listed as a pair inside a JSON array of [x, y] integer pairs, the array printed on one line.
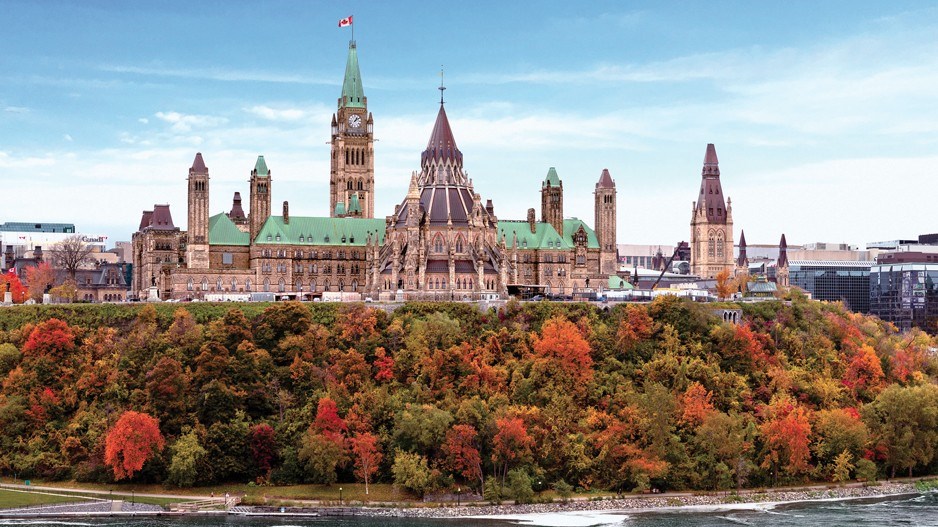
[[437, 395]]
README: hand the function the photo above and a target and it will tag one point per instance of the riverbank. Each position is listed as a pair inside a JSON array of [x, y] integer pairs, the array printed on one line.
[[631, 504], [643, 503]]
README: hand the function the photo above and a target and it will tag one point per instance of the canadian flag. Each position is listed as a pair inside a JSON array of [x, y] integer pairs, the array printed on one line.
[[345, 21]]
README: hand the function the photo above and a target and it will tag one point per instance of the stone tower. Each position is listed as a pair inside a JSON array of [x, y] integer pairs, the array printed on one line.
[[352, 171], [711, 223], [605, 209], [197, 243], [781, 266], [552, 200], [260, 196]]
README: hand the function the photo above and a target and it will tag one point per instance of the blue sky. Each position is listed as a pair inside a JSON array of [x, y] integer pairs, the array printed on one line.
[[824, 114]]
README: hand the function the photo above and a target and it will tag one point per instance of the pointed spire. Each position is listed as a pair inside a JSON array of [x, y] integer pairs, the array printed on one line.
[[442, 144], [710, 201], [260, 168], [605, 180], [339, 209], [198, 165], [782, 253], [743, 260], [711, 166], [413, 192], [353, 95], [551, 179]]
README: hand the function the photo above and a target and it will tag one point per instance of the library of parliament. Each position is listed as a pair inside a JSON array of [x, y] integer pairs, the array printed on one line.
[[442, 241]]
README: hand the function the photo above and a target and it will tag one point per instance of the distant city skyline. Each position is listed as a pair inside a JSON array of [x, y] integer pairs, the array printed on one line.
[[824, 116]]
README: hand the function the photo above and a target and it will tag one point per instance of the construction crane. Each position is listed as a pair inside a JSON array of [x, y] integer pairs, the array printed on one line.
[[667, 265]]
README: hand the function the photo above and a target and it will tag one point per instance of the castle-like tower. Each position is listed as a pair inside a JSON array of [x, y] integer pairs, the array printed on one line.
[[260, 196], [711, 223], [197, 242], [552, 200], [352, 173], [605, 210]]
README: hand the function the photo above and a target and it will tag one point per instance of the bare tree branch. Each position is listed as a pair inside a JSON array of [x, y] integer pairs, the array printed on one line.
[[71, 253]]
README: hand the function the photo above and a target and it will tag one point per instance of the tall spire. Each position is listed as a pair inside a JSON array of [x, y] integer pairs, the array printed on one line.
[[353, 95], [743, 260], [710, 201], [782, 253], [442, 144]]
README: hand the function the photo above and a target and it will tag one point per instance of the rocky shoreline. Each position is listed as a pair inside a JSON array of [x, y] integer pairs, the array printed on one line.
[[651, 502]]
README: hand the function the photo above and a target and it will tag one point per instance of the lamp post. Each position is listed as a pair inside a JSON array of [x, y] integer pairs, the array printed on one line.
[[458, 492], [340, 495]]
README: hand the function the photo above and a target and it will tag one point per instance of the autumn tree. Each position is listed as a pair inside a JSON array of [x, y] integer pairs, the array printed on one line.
[[263, 448], [367, 456], [133, 440], [39, 279], [10, 283], [725, 284], [786, 433], [562, 348], [71, 254], [510, 443], [462, 452], [187, 454]]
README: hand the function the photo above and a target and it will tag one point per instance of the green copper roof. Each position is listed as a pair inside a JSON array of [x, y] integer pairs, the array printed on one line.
[[551, 178], [354, 205], [222, 231], [339, 209], [353, 95], [261, 167], [543, 237], [571, 225], [304, 230], [617, 282]]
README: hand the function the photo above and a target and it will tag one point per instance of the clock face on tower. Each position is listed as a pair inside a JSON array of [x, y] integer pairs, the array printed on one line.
[[355, 120]]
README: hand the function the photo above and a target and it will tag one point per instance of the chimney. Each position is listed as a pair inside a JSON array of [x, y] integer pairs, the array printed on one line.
[[490, 208], [531, 221], [37, 253], [286, 212]]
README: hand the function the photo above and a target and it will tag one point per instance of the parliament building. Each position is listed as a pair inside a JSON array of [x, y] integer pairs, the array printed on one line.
[[442, 241]]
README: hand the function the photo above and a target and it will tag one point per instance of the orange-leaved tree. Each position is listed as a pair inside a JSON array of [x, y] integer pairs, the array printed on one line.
[[367, 456], [562, 344], [39, 279], [462, 454], [131, 442]]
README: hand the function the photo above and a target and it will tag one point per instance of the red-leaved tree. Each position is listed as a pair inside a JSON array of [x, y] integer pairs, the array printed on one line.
[[263, 447], [131, 442], [511, 442], [461, 452], [367, 456]]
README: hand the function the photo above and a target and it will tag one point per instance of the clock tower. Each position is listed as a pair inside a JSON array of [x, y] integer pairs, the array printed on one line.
[[352, 166]]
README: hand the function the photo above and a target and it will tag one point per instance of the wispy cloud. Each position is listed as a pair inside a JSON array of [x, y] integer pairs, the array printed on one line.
[[15, 109], [183, 123]]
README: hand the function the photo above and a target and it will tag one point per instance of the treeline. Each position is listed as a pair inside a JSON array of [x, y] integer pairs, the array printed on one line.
[[435, 396]]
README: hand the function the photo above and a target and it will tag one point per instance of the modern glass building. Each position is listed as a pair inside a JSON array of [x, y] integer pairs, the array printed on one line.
[[847, 282], [905, 294]]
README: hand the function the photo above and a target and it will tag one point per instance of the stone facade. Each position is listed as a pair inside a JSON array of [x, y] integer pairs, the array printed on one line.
[[711, 224], [442, 241]]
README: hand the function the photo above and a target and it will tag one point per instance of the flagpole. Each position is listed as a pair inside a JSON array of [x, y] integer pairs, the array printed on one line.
[[353, 29]]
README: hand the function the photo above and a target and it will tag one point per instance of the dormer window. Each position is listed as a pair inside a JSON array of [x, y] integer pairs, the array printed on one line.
[[302, 239], [278, 237], [326, 239], [269, 237]]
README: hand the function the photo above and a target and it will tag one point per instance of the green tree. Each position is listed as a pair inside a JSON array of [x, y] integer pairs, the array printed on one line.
[[187, 455], [519, 484], [321, 457], [843, 465], [9, 358], [411, 472], [904, 420]]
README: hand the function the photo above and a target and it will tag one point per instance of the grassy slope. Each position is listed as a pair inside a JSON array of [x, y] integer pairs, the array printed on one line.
[[14, 499]]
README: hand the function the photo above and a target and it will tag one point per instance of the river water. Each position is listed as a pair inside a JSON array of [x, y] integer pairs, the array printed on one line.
[[921, 509]]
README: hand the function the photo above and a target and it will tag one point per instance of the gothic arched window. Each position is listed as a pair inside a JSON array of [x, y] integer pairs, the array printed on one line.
[[720, 244]]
